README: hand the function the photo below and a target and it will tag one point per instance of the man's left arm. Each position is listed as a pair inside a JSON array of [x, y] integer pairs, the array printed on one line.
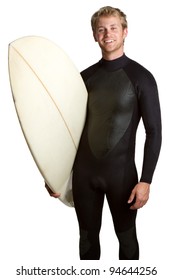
[[151, 116]]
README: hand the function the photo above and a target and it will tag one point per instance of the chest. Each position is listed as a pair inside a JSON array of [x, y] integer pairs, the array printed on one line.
[[110, 93]]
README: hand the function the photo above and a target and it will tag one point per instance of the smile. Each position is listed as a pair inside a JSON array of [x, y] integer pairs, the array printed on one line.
[[108, 41]]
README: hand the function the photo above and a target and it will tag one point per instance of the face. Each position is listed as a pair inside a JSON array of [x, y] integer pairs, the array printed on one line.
[[110, 36]]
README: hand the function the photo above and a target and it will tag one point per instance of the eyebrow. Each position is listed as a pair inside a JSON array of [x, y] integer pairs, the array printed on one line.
[[101, 26]]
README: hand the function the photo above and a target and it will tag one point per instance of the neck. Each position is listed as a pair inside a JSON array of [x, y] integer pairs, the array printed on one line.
[[112, 55]]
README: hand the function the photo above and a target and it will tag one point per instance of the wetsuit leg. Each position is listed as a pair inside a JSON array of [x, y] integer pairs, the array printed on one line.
[[88, 203], [124, 218]]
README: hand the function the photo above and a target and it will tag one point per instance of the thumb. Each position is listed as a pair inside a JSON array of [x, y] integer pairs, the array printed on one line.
[[132, 196]]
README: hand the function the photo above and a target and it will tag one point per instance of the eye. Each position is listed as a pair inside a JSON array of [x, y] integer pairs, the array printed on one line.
[[114, 28], [100, 30]]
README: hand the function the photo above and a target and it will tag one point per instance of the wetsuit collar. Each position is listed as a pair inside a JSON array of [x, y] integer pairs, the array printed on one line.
[[112, 65]]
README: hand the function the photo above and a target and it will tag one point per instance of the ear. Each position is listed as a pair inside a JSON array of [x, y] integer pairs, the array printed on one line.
[[125, 32]]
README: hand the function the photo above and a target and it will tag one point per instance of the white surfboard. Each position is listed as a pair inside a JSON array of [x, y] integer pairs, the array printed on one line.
[[50, 99]]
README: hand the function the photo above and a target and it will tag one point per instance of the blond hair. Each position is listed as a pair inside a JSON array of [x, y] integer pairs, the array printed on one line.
[[108, 11]]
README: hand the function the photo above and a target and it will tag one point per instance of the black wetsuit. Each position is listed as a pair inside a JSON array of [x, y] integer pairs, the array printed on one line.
[[120, 92]]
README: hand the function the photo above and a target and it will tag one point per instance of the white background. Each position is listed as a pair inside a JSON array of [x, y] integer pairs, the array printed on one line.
[[37, 230]]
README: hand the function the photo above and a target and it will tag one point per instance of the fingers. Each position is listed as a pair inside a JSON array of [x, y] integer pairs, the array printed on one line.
[[138, 204], [140, 195], [55, 195]]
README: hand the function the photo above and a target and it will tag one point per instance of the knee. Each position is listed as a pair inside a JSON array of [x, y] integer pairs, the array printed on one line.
[[129, 248], [85, 243], [89, 244]]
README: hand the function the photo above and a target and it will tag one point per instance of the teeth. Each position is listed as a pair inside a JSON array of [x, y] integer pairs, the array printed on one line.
[[108, 41]]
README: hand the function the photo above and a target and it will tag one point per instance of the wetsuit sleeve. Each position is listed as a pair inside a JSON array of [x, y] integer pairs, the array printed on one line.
[[150, 111]]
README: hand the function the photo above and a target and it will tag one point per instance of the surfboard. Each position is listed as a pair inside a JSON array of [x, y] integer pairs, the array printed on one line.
[[50, 100]]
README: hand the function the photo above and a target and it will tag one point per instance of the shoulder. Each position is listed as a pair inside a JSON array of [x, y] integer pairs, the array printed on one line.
[[88, 72], [138, 73]]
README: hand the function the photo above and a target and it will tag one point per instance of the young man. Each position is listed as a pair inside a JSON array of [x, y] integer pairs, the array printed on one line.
[[120, 92]]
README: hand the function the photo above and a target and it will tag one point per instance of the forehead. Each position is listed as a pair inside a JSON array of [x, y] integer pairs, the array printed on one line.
[[108, 21]]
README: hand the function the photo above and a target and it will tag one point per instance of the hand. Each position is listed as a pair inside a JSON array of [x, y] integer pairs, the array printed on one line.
[[55, 195], [141, 195]]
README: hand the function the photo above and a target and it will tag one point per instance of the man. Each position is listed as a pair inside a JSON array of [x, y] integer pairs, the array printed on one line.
[[120, 93]]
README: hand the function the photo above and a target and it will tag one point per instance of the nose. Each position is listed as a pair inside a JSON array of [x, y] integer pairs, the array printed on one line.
[[107, 32]]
